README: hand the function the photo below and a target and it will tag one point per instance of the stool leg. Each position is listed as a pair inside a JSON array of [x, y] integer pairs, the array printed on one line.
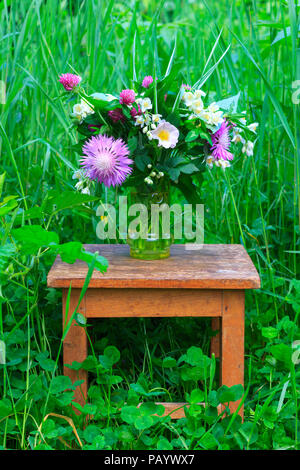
[[233, 331], [215, 342], [75, 345]]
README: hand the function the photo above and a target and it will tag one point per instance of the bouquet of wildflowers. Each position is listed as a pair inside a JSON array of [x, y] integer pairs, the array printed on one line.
[[150, 133]]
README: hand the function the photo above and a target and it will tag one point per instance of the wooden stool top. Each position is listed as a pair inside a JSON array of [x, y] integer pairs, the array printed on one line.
[[211, 267]]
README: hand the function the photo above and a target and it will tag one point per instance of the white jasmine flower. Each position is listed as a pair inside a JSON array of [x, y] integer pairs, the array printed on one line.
[[85, 190], [149, 135], [252, 127], [188, 98], [248, 148], [139, 120], [199, 93], [210, 161], [156, 118], [145, 104], [197, 106], [77, 175], [147, 119], [166, 134], [81, 111], [237, 137], [213, 107], [222, 163], [79, 185]]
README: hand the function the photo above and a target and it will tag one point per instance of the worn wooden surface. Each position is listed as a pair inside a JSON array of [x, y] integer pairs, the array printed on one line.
[[212, 267], [75, 347], [232, 341], [109, 303]]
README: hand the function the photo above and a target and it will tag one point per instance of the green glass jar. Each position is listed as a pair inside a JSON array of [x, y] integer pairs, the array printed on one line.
[[149, 235]]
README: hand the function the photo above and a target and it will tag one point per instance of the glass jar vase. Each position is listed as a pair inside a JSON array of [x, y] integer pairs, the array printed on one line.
[[149, 235]]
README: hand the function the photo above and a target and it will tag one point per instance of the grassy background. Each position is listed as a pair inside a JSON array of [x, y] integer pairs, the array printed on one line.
[[256, 202]]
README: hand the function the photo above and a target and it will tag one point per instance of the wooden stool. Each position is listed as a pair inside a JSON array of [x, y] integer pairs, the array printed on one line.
[[208, 282]]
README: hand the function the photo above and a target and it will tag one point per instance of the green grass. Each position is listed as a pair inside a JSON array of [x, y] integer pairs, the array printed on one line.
[[256, 202]]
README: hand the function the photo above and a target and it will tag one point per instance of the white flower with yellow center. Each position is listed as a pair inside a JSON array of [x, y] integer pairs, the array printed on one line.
[[166, 134], [197, 106], [237, 137], [213, 107], [217, 118], [210, 161], [188, 98], [144, 103], [156, 118], [139, 120], [81, 111], [199, 94], [222, 163], [252, 127]]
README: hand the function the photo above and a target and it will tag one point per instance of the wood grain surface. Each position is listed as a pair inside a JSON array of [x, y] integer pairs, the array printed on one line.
[[211, 267]]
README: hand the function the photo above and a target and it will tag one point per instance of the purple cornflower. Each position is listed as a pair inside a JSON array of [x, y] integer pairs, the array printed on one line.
[[147, 81], [106, 160], [127, 97], [221, 143], [69, 81]]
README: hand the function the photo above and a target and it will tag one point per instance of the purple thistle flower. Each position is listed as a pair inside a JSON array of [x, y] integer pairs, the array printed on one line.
[[147, 81], [69, 81], [106, 160], [221, 143]]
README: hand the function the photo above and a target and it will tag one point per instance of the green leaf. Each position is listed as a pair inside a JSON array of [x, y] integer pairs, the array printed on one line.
[[129, 414], [91, 432], [188, 168], [196, 396], [33, 237], [59, 384], [5, 407], [250, 432], [192, 135], [89, 409], [7, 205], [193, 356], [143, 422], [282, 353], [208, 441], [228, 394], [163, 444], [111, 356], [269, 332], [169, 362], [60, 200], [72, 251]]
